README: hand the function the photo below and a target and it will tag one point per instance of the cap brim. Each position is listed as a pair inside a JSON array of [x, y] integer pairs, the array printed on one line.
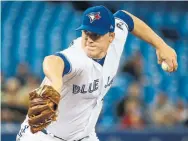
[[92, 29]]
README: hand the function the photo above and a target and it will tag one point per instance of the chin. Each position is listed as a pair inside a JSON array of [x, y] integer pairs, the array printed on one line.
[[91, 55]]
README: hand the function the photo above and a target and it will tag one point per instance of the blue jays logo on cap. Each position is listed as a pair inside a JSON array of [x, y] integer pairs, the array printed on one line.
[[94, 16], [98, 19]]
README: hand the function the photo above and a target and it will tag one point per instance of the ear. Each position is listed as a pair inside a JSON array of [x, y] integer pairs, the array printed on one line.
[[112, 36]]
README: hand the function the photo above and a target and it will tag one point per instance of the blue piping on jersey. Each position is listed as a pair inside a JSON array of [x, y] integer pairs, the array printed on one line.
[[100, 61], [67, 64], [126, 18]]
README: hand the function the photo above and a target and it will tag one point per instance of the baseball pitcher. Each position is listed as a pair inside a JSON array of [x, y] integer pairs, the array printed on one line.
[[67, 105]]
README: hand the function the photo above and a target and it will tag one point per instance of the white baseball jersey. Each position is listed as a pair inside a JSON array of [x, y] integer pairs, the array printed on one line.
[[85, 86]]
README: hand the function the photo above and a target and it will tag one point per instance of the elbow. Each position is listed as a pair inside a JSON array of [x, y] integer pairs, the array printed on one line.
[[47, 65], [48, 59]]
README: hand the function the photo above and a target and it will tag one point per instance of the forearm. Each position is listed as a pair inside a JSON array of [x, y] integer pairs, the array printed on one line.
[[144, 32], [56, 83], [53, 67]]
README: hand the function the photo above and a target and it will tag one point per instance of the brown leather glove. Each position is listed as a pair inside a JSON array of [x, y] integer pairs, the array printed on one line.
[[43, 104]]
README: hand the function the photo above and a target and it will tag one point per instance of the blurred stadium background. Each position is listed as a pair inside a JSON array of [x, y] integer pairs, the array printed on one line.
[[144, 104]]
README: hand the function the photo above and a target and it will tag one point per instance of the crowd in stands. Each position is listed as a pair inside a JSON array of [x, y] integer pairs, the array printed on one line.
[[38, 29], [14, 94], [132, 112]]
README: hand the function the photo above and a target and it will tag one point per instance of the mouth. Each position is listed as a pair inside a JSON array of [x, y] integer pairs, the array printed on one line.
[[91, 48]]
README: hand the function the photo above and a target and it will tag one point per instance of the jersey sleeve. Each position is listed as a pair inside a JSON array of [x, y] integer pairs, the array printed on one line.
[[123, 25], [127, 19], [67, 63], [72, 58], [121, 30], [121, 33]]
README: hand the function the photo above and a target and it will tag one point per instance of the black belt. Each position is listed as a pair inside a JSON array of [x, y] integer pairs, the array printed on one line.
[[45, 132]]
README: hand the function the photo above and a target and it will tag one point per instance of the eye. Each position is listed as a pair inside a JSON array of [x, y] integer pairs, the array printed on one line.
[[86, 32], [93, 36]]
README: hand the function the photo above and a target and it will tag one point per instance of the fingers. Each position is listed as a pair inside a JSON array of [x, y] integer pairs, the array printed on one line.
[[175, 64], [169, 56], [160, 61], [43, 117], [36, 110], [172, 63]]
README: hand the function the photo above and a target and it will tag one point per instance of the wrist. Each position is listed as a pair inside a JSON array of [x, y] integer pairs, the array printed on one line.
[[158, 43], [57, 85]]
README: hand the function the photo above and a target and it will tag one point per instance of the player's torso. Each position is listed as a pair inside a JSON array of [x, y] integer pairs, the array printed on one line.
[[94, 79], [84, 88], [91, 79]]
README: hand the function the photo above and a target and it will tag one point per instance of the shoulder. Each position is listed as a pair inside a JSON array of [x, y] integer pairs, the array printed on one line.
[[73, 57], [52, 59], [74, 47]]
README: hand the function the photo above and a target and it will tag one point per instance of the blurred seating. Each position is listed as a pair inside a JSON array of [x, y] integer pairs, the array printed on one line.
[[32, 30]]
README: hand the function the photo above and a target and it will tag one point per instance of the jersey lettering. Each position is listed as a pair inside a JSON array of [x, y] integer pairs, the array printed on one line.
[[119, 25], [109, 82], [82, 89]]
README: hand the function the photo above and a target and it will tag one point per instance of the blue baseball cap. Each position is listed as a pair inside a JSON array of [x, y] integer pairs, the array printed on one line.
[[98, 19]]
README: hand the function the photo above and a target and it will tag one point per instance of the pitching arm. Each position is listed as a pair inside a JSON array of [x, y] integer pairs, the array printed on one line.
[[53, 67], [144, 32]]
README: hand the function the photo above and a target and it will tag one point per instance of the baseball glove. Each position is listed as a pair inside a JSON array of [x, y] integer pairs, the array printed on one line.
[[43, 104]]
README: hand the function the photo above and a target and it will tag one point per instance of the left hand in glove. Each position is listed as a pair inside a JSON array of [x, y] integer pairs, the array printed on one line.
[[43, 104]]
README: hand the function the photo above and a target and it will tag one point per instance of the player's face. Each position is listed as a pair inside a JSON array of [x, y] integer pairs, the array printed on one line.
[[96, 45]]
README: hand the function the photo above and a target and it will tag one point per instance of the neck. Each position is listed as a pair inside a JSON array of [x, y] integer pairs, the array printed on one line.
[[100, 56]]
